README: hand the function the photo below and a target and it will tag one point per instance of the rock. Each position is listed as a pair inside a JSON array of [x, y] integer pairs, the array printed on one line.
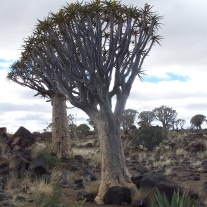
[[139, 203], [23, 138], [116, 195], [79, 186], [197, 147], [79, 158], [64, 184], [163, 184], [38, 166], [135, 179], [88, 196], [77, 181], [93, 177]]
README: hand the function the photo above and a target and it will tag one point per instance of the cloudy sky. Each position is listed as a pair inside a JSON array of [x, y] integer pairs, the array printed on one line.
[[176, 71]]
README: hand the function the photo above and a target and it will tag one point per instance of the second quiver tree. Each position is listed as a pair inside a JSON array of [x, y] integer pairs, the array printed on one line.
[[93, 52], [26, 72], [165, 115]]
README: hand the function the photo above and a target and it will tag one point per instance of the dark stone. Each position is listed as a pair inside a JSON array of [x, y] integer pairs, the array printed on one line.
[[197, 178], [38, 166], [139, 203], [26, 138], [77, 181], [116, 195], [20, 199], [135, 179], [88, 196], [79, 158], [93, 176], [4, 170], [79, 186], [64, 184], [26, 154]]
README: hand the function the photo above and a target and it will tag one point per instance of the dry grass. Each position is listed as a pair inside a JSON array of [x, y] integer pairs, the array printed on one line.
[[93, 187], [36, 147], [88, 153], [143, 193], [42, 187], [181, 152]]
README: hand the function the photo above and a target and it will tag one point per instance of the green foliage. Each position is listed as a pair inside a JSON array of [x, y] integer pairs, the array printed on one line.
[[160, 200], [128, 118], [197, 120], [83, 129], [148, 136], [147, 116], [50, 161]]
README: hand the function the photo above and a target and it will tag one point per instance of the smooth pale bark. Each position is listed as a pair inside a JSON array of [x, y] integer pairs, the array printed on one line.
[[113, 167], [61, 143]]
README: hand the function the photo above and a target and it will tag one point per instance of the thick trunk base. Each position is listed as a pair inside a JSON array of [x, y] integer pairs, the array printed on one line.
[[61, 143]]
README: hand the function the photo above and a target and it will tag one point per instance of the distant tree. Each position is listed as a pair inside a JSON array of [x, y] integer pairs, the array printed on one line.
[[198, 120], [180, 122], [128, 118], [72, 125], [165, 115], [147, 116], [83, 129]]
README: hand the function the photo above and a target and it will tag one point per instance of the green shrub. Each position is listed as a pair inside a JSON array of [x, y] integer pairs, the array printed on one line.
[[160, 200], [148, 136], [50, 161]]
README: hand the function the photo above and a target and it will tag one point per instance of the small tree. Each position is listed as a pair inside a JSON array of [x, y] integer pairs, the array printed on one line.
[[149, 137], [83, 129], [165, 115], [198, 120], [128, 118], [146, 116], [180, 122]]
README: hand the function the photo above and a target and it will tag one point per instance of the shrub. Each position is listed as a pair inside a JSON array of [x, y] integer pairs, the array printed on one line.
[[148, 136], [160, 200], [50, 160]]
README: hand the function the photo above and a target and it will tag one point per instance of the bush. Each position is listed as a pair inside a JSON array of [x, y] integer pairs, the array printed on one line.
[[50, 160], [160, 200], [148, 136]]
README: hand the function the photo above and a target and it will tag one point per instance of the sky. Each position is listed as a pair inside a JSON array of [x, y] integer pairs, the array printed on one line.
[[176, 71]]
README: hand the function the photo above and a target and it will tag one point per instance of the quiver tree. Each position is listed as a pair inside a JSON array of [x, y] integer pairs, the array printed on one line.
[[146, 117], [93, 52], [180, 122], [28, 73], [198, 120], [128, 118], [165, 115]]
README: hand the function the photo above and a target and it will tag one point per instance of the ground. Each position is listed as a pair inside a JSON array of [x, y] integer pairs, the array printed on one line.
[[178, 163]]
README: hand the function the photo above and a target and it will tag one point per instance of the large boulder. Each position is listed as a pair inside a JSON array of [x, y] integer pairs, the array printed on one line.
[[38, 167], [22, 138], [117, 195]]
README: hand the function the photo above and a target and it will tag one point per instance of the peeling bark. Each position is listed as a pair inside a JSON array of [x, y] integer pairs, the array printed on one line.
[[113, 167], [61, 143]]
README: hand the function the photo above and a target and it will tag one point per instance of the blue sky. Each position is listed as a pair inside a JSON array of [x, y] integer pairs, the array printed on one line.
[[176, 71]]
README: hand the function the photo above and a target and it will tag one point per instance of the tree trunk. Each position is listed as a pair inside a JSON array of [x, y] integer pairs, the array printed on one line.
[[113, 167], [61, 144]]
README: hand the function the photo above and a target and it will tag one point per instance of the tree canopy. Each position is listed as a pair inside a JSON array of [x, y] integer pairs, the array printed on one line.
[[128, 118], [198, 120]]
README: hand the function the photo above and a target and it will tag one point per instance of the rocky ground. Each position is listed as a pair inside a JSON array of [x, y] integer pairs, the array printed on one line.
[[28, 171]]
